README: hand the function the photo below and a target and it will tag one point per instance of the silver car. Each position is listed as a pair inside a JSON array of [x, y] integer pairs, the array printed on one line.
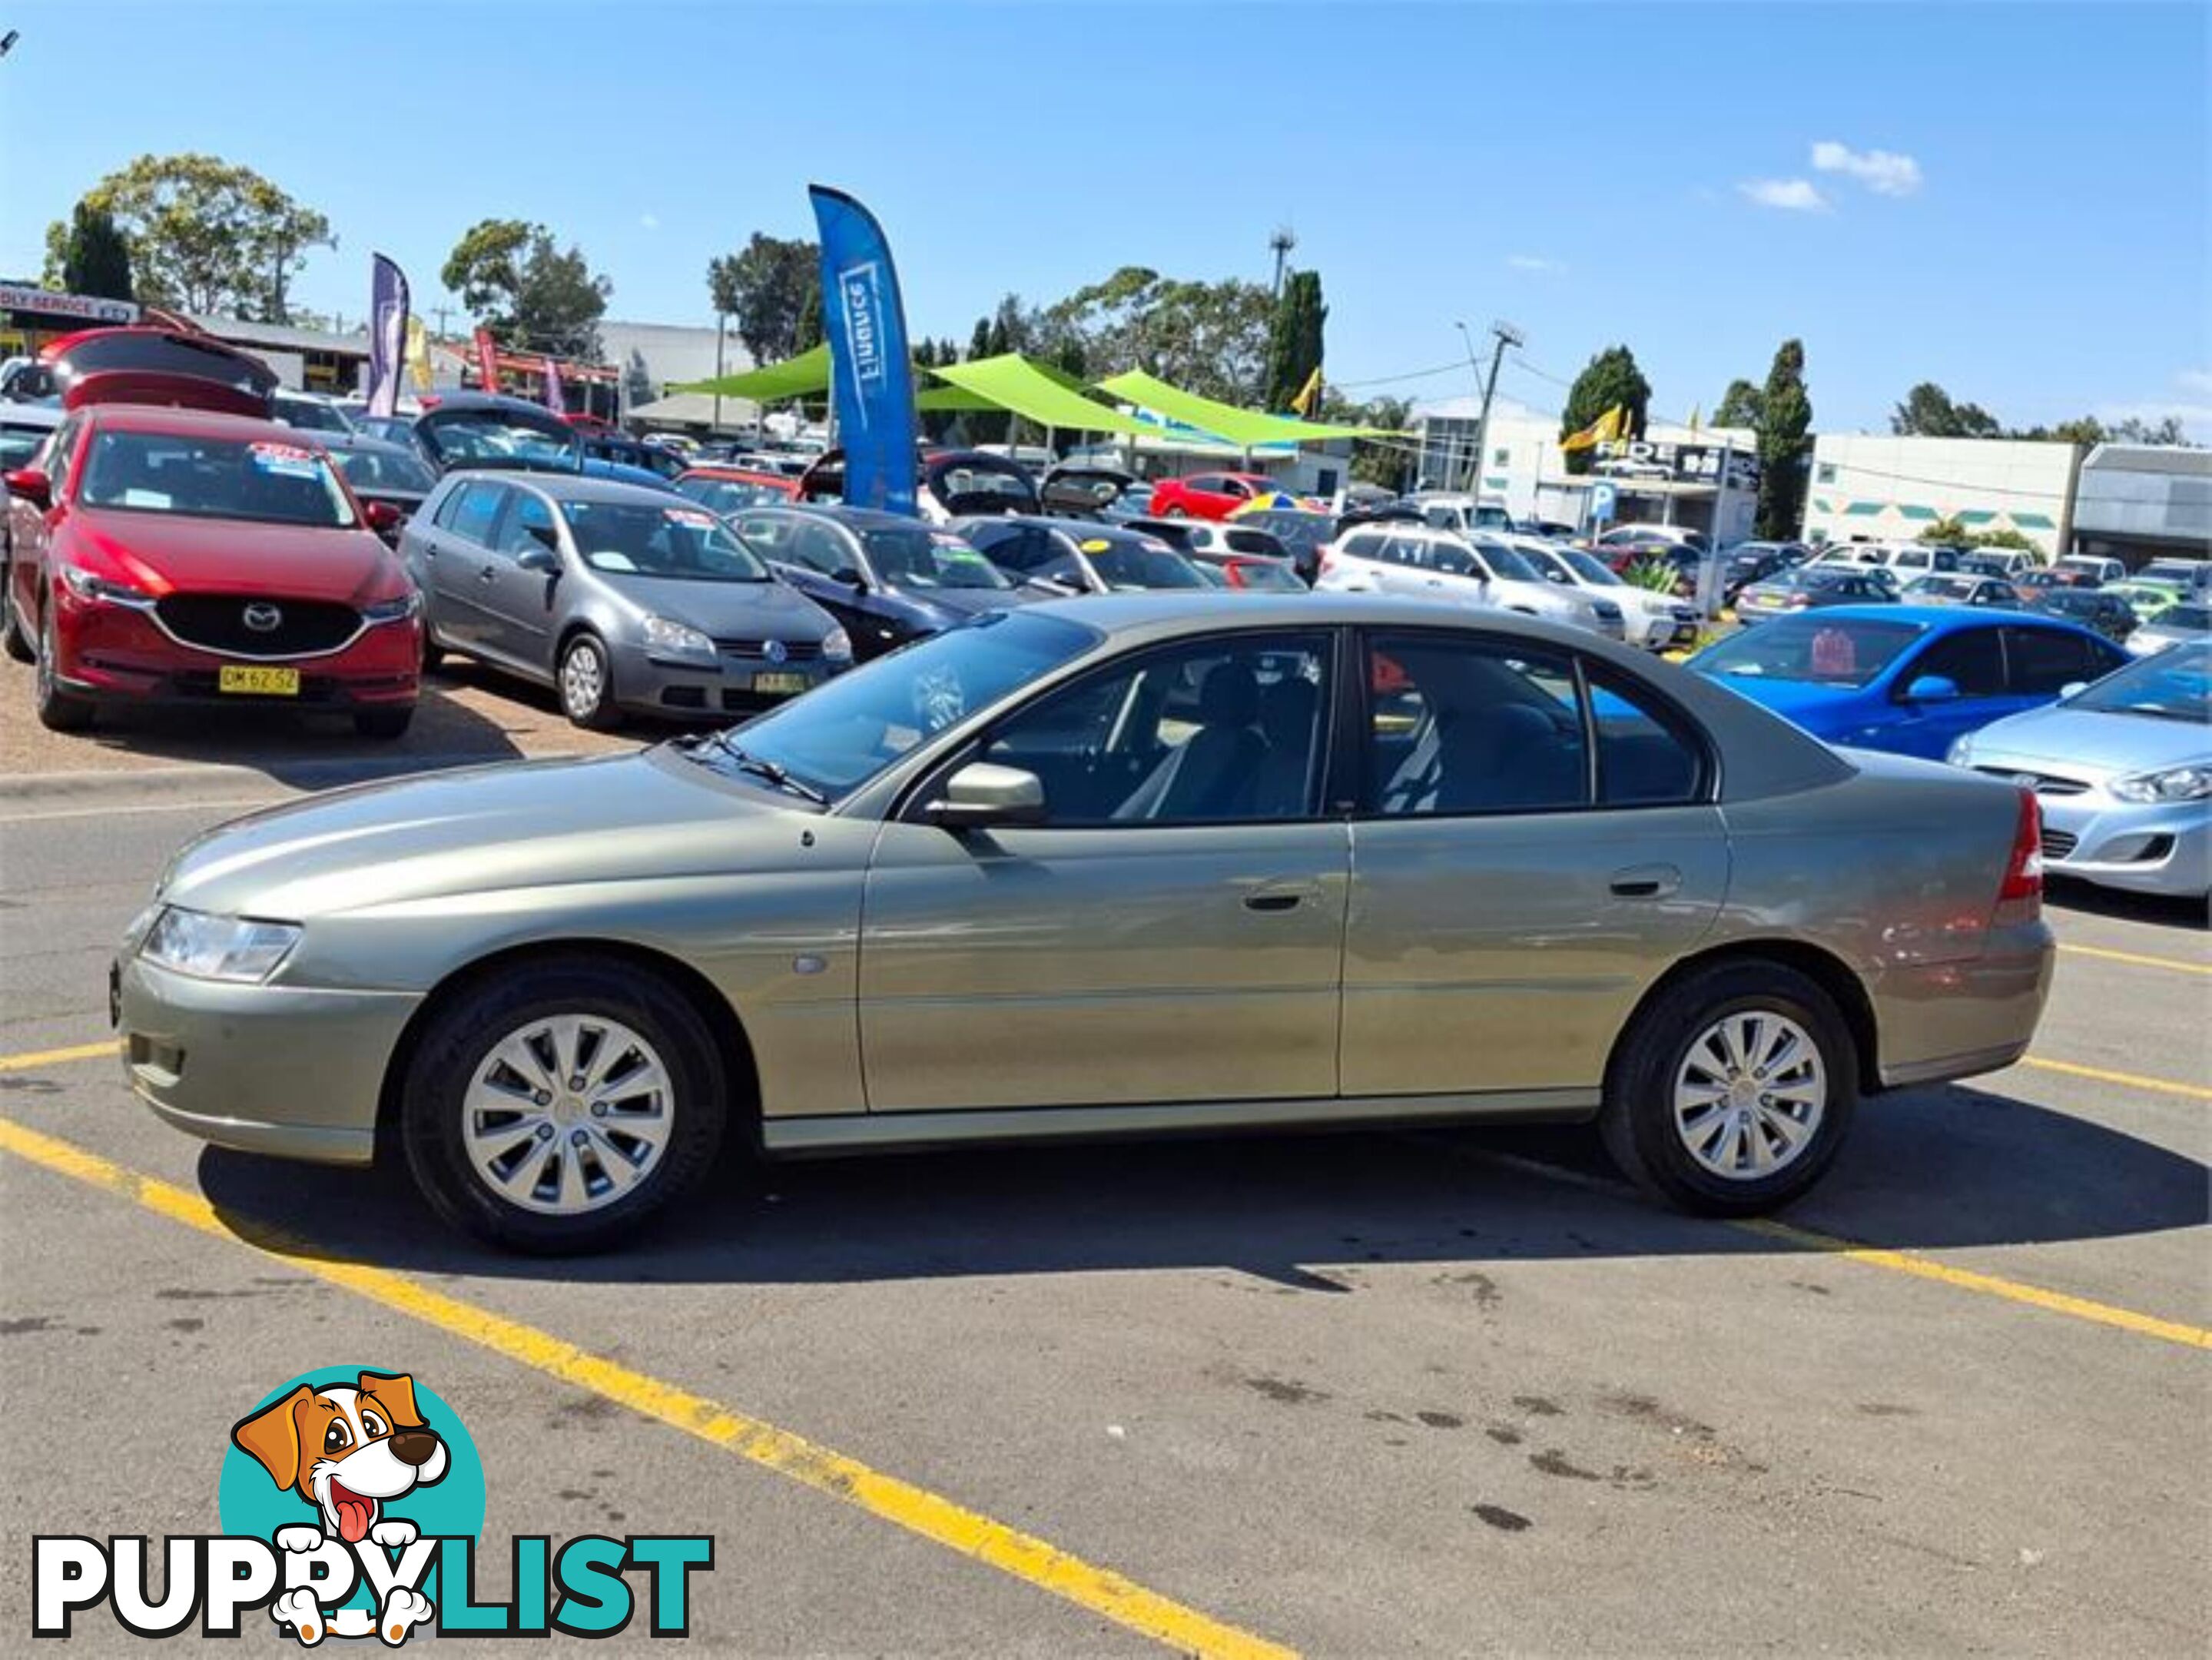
[[2123, 771], [620, 597], [1124, 864], [2190, 620]]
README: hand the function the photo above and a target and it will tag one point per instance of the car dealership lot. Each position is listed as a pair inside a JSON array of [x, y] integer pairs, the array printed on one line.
[[1373, 1394]]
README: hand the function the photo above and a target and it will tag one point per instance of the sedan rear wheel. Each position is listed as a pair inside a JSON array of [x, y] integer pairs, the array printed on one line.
[[1732, 1091], [555, 1108]]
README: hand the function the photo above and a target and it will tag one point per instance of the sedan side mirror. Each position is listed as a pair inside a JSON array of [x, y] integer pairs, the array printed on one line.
[[850, 576], [2074, 688], [981, 794], [540, 561], [1932, 689], [30, 485], [381, 516]]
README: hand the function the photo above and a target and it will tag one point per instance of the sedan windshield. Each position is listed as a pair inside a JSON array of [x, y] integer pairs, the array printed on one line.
[[19, 443], [493, 438], [727, 495], [1505, 562], [842, 733], [372, 470], [1129, 566], [2176, 684], [1942, 587], [1828, 651], [630, 539], [924, 558], [1588, 568], [269, 483]]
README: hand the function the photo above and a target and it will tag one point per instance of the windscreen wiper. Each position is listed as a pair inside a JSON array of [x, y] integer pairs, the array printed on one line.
[[772, 772]]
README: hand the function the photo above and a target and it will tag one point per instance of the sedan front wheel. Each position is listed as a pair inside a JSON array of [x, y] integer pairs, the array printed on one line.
[[1732, 1092], [587, 684], [557, 1107]]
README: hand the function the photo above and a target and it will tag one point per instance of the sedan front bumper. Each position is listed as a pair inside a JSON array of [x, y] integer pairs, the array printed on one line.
[[293, 1072], [2163, 847], [736, 683]]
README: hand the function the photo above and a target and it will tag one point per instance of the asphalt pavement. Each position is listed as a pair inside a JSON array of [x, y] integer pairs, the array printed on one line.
[[1376, 1394]]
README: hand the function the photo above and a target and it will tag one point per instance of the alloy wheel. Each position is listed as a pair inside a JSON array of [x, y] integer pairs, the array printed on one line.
[[568, 1114], [1749, 1095], [583, 681]]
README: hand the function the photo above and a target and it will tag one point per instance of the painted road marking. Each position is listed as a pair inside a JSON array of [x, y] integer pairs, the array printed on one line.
[[56, 1057], [1027, 1558], [1877, 1256], [2137, 957], [2133, 1080], [1989, 1285]]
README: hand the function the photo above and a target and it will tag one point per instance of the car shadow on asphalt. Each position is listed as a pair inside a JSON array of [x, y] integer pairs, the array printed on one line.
[[2160, 910], [1925, 1169], [307, 751]]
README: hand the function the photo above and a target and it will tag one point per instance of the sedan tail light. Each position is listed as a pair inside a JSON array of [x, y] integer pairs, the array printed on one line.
[[2020, 899]]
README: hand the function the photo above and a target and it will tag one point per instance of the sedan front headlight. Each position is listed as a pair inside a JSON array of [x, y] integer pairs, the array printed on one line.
[[1961, 753], [2189, 783], [238, 948], [838, 645], [669, 639], [99, 590]]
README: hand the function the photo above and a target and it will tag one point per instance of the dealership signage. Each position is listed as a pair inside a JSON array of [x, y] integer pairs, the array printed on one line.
[[49, 302], [1688, 464]]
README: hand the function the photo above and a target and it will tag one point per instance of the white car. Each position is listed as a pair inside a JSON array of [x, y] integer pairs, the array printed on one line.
[[2098, 570], [1653, 621], [1418, 562], [1462, 513], [1906, 559]]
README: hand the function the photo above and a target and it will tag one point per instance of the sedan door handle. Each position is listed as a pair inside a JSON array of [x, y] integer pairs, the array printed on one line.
[[1279, 895], [1645, 882], [488, 574]]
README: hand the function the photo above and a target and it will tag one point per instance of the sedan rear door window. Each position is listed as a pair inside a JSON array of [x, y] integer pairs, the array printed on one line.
[[2043, 662], [1471, 726]]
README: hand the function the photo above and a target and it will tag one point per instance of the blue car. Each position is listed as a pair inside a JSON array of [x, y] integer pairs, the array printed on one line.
[[1910, 679]]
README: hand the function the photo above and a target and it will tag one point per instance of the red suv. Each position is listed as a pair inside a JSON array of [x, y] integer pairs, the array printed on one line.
[[190, 555], [1206, 495]]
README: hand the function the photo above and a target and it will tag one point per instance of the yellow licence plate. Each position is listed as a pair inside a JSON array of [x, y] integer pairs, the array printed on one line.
[[269, 683], [782, 683]]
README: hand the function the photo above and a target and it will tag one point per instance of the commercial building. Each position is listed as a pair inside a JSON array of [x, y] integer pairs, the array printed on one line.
[[1704, 477], [1867, 487], [2138, 502]]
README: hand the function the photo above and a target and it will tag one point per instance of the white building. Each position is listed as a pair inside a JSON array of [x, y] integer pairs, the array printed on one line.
[[1868, 488], [1703, 477], [2144, 501]]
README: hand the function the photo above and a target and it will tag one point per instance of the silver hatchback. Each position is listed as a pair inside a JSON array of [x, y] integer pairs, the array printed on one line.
[[621, 598]]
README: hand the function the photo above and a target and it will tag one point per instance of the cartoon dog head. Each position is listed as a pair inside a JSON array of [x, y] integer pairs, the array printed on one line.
[[346, 1451]]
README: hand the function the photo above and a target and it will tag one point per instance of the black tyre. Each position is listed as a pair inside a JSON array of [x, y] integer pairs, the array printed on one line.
[[433, 653], [12, 637], [554, 1108], [59, 710], [585, 681], [1732, 1091], [385, 724]]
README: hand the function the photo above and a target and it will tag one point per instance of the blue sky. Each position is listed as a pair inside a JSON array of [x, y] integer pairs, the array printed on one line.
[[2009, 200]]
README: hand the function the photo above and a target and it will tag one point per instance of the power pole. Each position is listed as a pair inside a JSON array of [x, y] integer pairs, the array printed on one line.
[[1506, 335], [1282, 242]]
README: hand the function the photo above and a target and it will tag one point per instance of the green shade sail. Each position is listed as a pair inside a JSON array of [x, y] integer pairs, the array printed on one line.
[[1243, 427], [1013, 382], [948, 400], [806, 375]]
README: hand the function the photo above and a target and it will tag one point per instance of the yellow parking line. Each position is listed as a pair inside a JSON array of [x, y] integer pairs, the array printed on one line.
[[2134, 1080], [1100, 1590], [2135, 957], [38, 1058], [1989, 1285]]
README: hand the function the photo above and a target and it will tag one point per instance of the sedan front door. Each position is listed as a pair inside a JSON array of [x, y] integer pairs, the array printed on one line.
[[1513, 896], [1171, 933], [518, 605]]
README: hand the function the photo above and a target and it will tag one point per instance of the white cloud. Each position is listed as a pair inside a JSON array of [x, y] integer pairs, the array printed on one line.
[[1536, 262], [1884, 172], [2196, 380], [649, 220], [1797, 195]]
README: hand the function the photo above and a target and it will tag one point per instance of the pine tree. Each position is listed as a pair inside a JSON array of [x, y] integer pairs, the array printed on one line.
[[96, 259], [1294, 340], [1785, 416]]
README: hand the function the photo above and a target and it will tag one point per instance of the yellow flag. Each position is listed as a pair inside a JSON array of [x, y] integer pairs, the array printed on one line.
[[418, 353], [1604, 431], [1309, 395]]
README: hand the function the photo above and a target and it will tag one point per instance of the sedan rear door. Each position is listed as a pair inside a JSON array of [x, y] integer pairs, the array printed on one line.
[[1535, 843]]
